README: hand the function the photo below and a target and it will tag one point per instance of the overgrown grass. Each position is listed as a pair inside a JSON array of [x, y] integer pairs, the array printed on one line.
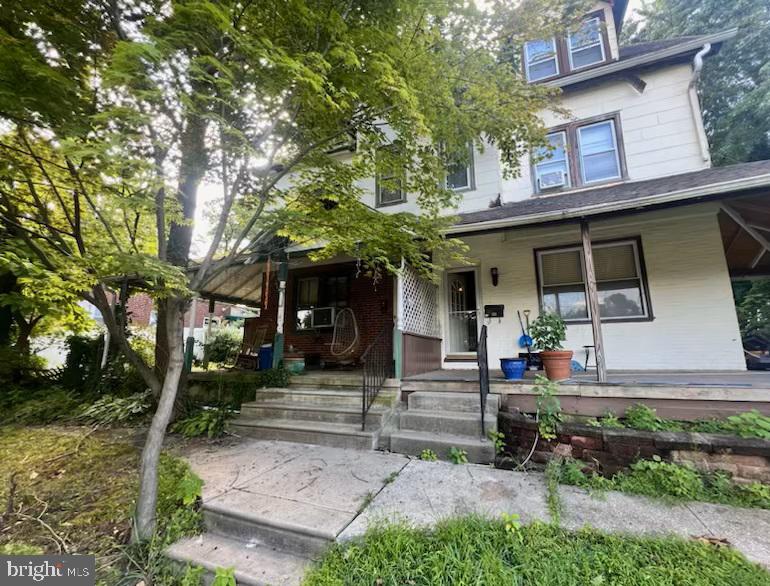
[[74, 489], [666, 480], [490, 553]]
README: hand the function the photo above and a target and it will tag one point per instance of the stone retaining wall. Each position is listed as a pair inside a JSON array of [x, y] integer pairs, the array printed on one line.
[[610, 450]]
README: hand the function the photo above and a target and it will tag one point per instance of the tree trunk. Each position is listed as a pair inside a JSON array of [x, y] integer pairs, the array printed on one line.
[[145, 518], [24, 329], [7, 285]]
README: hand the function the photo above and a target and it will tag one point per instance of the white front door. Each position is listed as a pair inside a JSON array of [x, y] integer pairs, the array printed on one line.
[[463, 311]]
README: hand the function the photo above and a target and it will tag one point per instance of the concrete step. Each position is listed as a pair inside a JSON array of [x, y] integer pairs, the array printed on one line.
[[337, 435], [414, 442], [254, 565], [325, 397], [451, 422], [341, 380], [457, 402], [300, 411]]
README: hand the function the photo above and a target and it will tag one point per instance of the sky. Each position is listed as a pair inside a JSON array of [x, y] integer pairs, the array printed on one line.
[[210, 191]]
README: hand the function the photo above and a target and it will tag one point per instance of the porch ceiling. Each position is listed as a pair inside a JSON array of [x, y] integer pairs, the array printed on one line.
[[745, 227], [240, 284]]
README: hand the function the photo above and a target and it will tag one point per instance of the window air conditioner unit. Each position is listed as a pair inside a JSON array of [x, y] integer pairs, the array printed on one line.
[[323, 317], [552, 180]]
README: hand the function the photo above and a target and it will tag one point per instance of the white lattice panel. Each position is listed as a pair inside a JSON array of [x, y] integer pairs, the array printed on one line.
[[420, 304]]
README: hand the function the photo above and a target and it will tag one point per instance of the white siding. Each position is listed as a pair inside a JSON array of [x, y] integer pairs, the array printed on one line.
[[695, 325], [658, 130], [487, 185]]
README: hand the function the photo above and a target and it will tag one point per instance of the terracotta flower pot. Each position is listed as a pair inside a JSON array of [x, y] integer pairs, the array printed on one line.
[[557, 364]]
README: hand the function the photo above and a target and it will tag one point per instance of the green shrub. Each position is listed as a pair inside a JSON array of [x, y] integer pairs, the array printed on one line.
[[224, 345], [656, 477], [548, 332], [208, 421], [110, 409]]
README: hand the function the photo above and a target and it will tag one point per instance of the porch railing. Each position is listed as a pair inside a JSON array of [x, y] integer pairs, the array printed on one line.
[[481, 356], [377, 362]]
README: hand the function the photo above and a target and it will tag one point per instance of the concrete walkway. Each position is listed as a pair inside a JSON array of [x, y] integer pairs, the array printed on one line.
[[426, 492], [271, 499]]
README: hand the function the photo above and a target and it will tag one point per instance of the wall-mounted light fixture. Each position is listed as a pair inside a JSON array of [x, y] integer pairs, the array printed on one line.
[[495, 274]]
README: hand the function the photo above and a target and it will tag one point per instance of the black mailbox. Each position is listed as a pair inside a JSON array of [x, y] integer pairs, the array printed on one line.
[[493, 310]]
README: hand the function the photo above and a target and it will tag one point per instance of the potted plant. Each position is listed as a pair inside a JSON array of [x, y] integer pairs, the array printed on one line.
[[548, 332]]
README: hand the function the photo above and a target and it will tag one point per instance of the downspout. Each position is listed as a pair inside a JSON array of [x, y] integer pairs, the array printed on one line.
[[692, 92]]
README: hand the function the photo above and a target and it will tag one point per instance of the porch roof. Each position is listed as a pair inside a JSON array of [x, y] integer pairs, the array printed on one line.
[[714, 183], [240, 283]]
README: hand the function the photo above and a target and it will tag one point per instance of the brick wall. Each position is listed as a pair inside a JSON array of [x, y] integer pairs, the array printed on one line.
[[610, 450], [372, 305]]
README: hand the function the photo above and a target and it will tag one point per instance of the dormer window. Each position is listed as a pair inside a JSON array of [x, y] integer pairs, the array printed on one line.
[[540, 59], [586, 46], [552, 170]]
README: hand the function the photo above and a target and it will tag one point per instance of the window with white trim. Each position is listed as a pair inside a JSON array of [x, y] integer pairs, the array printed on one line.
[[598, 148], [390, 183], [619, 280], [540, 59], [552, 166], [586, 46], [459, 174]]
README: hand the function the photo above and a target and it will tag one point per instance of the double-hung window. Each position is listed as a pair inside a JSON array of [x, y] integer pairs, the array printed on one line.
[[390, 180], [540, 59], [580, 154], [552, 166], [586, 46], [598, 147], [317, 300], [459, 174], [619, 279]]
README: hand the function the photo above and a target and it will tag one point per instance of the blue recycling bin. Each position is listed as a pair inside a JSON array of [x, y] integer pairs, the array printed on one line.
[[265, 356]]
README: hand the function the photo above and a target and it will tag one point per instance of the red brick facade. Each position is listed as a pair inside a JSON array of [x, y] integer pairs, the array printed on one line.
[[371, 303], [140, 307]]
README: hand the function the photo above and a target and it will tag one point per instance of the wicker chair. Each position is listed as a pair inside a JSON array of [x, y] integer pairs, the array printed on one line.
[[345, 338]]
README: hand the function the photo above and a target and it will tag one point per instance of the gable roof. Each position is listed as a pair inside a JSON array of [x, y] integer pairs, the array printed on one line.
[[620, 196], [638, 56]]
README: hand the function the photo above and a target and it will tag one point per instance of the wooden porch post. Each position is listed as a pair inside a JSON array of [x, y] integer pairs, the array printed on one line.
[[593, 301], [283, 274], [212, 306]]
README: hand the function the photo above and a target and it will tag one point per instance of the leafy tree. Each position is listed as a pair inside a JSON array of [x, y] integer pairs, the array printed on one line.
[[752, 300], [117, 111], [735, 84]]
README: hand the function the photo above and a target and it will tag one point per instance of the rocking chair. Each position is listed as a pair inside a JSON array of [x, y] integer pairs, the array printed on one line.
[[249, 355], [345, 338]]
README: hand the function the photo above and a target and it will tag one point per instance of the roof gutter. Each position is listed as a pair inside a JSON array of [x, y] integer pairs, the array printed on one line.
[[692, 94], [602, 208], [618, 66]]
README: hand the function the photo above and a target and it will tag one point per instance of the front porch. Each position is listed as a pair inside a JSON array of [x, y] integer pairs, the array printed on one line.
[[686, 395]]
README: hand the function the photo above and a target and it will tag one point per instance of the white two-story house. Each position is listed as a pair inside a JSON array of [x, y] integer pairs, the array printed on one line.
[[629, 169]]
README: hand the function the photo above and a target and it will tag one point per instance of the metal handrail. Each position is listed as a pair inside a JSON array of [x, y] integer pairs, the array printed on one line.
[[483, 362], [377, 361]]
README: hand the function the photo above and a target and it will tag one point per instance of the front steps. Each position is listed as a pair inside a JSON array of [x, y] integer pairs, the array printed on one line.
[[440, 421], [322, 409], [244, 533]]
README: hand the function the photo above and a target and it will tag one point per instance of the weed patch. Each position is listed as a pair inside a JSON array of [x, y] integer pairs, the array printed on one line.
[[471, 551], [668, 481]]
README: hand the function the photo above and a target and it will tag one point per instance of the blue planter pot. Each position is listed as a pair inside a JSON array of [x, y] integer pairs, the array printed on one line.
[[513, 368]]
